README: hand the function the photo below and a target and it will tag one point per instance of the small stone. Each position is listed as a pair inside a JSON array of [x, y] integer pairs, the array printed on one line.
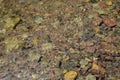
[[109, 22], [74, 51], [38, 19], [96, 28], [97, 69], [47, 46], [91, 49], [83, 63], [95, 66], [11, 23], [34, 57], [35, 40], [24, 36], [79, 21], [71, 75], [101, 12], [35, 76], [97, 21], [58, 3], [64, 71], [12, 44], [90, 77], [109, 3], [58, 73], [100, 35], [112, 77], [65, 58]]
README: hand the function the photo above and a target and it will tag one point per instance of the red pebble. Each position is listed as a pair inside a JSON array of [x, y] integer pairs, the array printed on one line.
[[109, 22]]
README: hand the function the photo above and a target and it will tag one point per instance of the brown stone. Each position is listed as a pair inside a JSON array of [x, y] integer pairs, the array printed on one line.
[[109, 22]]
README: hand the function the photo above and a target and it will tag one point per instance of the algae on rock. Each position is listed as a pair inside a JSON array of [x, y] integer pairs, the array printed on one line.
[[11, 23], [12, 44]]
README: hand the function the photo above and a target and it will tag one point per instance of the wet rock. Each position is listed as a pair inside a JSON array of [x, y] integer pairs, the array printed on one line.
[[47, 46], [102, 12], [58, 73], [3, 61], [11, 23], [90, 49], [112, 77], [97, 69], [35, 40], [83, 63], [79, 21], [90, 77], [35, 76], [109, 2], [34, 57], [100, 35], [109, 22], [96, 28], [58, 3], [97, 21], [38, 19], [71, 75], [74, 51], [12, 44], [70, 64], [60, 35], [24, 36]]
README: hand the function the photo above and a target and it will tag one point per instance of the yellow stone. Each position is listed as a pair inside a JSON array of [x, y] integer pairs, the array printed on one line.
[[95, 66], [47, 46], [12, 44], [11, 22], [71, 75], [100, 35], [109, 3], [96, 28], [73, 50], [64, 71], [35, 76], [25, 35], [34, 57]]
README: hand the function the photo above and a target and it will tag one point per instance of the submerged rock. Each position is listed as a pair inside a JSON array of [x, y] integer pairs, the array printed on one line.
[[11, 23], [90, 77], [12, 44], [47, 46], [71, 75]]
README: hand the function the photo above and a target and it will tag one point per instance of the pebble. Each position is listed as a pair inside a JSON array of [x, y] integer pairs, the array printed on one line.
[[109, 22], [11, 23], [96, 28], [83, 63], [71, 75], [109, 3], [47, 46], [12, 44], [35, 76], [34, 57], [38, 19], [90, 77], [74, 51]]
